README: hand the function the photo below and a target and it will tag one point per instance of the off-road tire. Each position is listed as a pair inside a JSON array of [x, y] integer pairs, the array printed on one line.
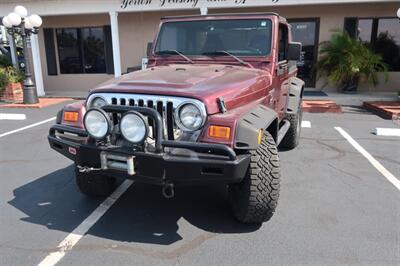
[[254, 200], [94, 184], [292, 137]]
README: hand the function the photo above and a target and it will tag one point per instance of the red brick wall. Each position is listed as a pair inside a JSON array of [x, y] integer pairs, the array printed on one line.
[[12, 93]]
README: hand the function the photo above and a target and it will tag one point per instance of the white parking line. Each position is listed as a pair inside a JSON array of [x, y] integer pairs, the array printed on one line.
[[378, 166], [4, 116], [27, 127], [306, 124], [70, 241], [387, 132]]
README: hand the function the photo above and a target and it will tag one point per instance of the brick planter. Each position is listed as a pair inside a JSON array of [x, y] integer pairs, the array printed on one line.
[[385, 109], [12, 93], [320, 106]]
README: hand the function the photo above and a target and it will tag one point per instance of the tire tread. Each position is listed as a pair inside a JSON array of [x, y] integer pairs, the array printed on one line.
[[94, 185], [254, 200], [292, 137]]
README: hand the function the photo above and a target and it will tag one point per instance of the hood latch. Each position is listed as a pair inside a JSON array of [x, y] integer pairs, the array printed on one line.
[[221, 105]]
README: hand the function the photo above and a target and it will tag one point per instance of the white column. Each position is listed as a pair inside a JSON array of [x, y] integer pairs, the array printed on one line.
[[13, 51], [3, 34], [37, 65], [115, 43]]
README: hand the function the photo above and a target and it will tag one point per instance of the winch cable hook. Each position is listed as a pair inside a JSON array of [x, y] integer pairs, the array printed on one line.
[[168, 191], [86, 169]]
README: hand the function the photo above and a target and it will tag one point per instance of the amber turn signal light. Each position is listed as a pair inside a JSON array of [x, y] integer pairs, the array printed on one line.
[[259, 139], [71, 116], [219, 132]]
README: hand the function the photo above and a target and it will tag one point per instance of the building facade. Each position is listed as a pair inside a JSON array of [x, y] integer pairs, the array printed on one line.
[[84, 43]]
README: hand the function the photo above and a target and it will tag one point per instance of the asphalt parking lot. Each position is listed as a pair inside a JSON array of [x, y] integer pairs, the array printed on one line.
[[335, 206]]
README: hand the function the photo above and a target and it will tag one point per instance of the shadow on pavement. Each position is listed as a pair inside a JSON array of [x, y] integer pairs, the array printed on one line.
[[353, 109], [141, 215], [54, 201]]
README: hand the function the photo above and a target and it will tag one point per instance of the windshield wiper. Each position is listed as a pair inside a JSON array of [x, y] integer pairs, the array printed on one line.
[[223, 52], [172, 52]]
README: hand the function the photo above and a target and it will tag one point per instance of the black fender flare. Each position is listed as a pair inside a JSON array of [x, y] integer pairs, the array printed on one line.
[[249, 125], [296, 88]]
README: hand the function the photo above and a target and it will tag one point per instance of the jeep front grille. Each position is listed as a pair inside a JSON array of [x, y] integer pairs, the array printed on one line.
[[165, 109], [164, 105]]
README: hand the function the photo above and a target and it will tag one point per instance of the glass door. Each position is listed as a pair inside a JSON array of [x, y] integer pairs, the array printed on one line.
[[306, 31]]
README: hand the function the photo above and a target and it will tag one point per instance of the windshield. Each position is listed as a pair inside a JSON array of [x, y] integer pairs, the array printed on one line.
[[239, 37]]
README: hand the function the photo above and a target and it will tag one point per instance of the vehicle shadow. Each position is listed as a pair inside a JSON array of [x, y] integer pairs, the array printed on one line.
[[141, 215]]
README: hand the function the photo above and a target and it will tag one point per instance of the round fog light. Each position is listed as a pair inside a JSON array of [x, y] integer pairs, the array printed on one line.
[[97, 123], [133, 127]]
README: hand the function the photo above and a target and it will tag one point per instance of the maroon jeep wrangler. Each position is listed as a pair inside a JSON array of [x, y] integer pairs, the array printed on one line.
[[219, 95]]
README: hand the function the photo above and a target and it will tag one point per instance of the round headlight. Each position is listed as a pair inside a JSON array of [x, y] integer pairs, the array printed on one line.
[[133, 127], [97, 123], [189, 117], [98, 102]]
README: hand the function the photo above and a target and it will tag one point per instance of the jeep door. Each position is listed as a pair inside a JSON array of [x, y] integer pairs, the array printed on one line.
[[282, 71]]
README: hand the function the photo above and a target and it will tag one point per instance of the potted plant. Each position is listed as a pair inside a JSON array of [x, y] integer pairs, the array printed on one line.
[[10, 84], [345, 61]]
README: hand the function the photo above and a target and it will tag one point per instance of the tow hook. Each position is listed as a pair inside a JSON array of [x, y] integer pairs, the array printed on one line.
[[86, 169], [168, 191]]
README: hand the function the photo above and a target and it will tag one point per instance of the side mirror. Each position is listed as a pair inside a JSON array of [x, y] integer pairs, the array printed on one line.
[[149, 46], [294, 51]]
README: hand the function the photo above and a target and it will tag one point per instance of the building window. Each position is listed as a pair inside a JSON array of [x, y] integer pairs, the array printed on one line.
[[81, 50], [387, 42], [383, 36], [364, 30]]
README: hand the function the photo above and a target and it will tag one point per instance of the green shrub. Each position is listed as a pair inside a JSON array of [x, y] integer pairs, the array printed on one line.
[[10, 75], [345, 60], [3, 81], [13, 75], [5, 61]]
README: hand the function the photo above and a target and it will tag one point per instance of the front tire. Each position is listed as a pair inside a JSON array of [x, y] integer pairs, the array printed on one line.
[[94, 184], [254, 200]]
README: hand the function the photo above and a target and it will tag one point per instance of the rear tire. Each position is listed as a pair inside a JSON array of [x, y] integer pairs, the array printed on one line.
[[254, 200], [292, 137], [94, 184]]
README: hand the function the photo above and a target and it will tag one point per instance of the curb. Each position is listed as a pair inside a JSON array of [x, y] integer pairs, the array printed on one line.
[[384, 109], [43, 102]]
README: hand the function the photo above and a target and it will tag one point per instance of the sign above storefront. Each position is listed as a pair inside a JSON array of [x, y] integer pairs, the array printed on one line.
[[142, 5], [74, 7], [190, 3]]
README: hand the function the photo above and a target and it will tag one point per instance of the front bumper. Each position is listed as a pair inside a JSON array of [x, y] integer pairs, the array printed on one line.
[[177, 162]]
